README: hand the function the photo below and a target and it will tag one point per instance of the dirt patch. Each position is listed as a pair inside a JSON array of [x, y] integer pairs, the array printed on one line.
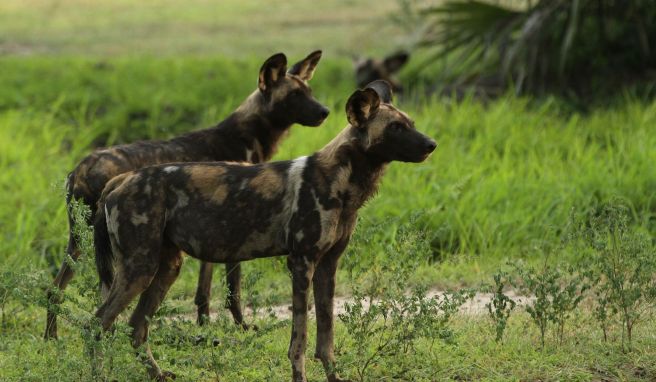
[[474, 306]]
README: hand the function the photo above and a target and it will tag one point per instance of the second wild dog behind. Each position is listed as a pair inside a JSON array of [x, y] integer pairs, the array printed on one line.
[[250, 134], [305, 209]]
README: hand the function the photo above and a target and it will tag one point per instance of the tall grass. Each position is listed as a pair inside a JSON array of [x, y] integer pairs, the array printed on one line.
[[504, 176]]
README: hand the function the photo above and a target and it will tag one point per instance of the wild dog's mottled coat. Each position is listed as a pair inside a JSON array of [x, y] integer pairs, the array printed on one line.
[[250, 134], [305, 208]]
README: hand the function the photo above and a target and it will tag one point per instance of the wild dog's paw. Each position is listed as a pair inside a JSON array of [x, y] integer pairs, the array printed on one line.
[[166, 376], [335, 378], [252, 327], [199, 340], [203, 315]]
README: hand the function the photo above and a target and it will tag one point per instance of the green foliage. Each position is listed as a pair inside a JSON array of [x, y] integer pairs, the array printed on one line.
[[556, 294], [500, 307], [561, 46], [385, 321], [622, 260]]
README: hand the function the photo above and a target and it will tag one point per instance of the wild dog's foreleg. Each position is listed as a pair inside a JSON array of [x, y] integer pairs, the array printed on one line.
[[302, 270], [324, 291], [233, 299], [202, 299], [169, 269]]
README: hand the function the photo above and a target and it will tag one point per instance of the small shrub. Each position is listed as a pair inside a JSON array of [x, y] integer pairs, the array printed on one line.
[[557, 293], [385, 319], [622, 263], [500, 307]]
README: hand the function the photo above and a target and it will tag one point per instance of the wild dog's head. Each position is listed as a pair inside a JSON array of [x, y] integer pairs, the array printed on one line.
[[287, 95], [384, 131], [369, 70]]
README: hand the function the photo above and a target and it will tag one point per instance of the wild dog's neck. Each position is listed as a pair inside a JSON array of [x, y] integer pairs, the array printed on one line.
[[265, 126], [352, 167]]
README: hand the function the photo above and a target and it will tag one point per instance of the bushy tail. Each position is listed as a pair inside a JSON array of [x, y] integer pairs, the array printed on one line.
[[103, 246]]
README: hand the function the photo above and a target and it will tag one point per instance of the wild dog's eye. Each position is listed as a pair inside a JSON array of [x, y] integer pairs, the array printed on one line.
[[397, 126]]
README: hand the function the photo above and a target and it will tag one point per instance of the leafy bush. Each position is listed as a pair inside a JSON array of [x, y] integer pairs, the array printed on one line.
[[545, 45], [500, 307], [557, 293], [385, 320], [622, 261]]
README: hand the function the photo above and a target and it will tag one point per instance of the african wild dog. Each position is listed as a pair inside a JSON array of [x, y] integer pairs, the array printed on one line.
[[369, 70], [250, 134], [304, 209]]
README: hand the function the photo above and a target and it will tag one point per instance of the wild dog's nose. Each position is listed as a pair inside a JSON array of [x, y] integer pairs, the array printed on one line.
[[324, 113], [430, 145]]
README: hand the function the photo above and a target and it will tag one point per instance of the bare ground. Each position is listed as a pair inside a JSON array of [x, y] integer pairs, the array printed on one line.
[[474, 306]]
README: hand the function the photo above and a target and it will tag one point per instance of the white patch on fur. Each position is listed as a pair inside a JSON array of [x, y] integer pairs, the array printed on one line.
[[170, 169], [299, 235], [183, 199], [244, 184], [294, 180], [249, 155], [137, 219], [111, 217]]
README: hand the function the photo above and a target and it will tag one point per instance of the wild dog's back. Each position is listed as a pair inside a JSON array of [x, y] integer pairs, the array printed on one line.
[[214, 211]]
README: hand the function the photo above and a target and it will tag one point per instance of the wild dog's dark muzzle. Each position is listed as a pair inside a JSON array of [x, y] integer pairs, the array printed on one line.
[[430, 145], [315, 115], [324, 112]]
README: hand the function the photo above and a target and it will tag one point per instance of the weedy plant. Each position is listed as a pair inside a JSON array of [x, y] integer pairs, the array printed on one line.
[[501, 306], [557, 293], [386, 318], [386, 326], [622, 263]]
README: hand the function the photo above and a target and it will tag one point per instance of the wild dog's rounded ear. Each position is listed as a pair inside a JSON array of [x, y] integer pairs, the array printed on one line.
[[305, 68], [272, 71], [395, 61], [361, 106], [383, 89]]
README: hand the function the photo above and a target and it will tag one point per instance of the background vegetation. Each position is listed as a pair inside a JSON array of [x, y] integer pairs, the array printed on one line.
[[519, 181]]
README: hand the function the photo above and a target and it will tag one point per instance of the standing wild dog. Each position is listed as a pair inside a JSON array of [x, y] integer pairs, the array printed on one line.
[[220, 212], [250, 134]]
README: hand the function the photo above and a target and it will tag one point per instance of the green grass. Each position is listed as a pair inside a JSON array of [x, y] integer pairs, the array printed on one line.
[[499, 187], [240, 356], [503, 179]]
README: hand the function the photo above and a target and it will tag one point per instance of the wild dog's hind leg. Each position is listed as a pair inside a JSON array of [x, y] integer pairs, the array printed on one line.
[[123, 290], [324, 292], [62, 279], [302, 270], [202, 299], [169, 268], [65, 273]]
